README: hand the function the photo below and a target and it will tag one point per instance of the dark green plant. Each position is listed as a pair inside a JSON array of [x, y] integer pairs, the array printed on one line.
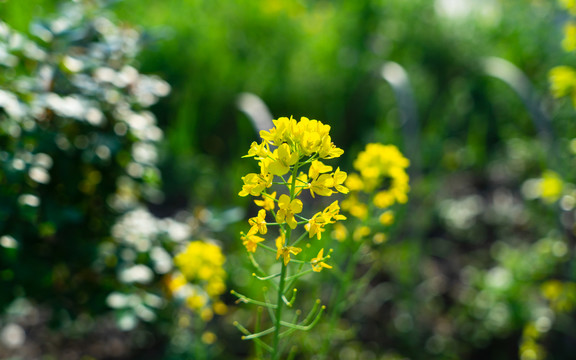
[[78, 148]]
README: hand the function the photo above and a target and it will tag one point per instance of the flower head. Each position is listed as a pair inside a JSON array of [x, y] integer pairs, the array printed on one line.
[[382, 168], [259, 222], [285, 251], [267, 202], [318, 262], [250, 240], [287, 209], [283, 159], [254, 184]]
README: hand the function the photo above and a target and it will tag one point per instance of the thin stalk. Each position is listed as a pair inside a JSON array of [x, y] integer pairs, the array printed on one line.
[[280, 303], [281, 290]]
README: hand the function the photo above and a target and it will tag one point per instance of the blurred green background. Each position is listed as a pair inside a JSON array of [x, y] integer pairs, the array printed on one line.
[[475, 117]]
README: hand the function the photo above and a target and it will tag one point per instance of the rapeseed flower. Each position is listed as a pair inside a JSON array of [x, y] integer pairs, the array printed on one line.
[[285, 251], [569, 5], [287, 209], [267, 202], [569, 41], [200, 276], [318, 262], [250, 240], [259, 222], [550, 186], [382, 175], [296, 148], [563, 82]]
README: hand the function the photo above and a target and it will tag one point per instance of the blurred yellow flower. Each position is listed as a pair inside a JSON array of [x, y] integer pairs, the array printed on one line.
[[563, 82], [339, 232], [569, 41], [200, 278], [209, 337], [551, 186], [386, 218], [382, 168], [569, 5]]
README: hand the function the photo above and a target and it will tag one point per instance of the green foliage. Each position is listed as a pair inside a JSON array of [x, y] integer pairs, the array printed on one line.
[[78, 148]]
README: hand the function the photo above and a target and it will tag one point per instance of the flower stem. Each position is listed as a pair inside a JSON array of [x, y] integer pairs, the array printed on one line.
[[279, 306], [281, 290]]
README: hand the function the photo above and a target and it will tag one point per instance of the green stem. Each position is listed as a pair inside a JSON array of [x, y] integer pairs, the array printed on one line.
[[279, 306], [281, 290]]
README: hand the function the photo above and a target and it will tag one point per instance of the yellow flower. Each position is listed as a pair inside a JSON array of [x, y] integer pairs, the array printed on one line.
[[267, 202], [355, 207], [196, 302], [354, 182], [259, 222], [287, 209], [209, 337], [200, 261], [383, 199], [283, 159], [175, 282], [361, 232], [386, 218], [260, 151], [378, 162], [215, 287], [285, 251], [563, 82], [316, 168], [321, 182], [250, 241], [220, 308], [339, 178], [315, 226], [321, 185], [332, 213], [569, 41], [254, 184], [569, 5], [328, 150], [379, 238], [318, 262], [560, 294], [340, 232], [551, 186], [281, 131], [309, 135]]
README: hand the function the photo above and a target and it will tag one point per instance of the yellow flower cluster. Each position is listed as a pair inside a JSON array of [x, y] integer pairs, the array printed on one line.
[[200, 278], [560, 294], [563, 82], [563, 78], [381, 182], [569, 5], [285, 151], [381, 172]]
